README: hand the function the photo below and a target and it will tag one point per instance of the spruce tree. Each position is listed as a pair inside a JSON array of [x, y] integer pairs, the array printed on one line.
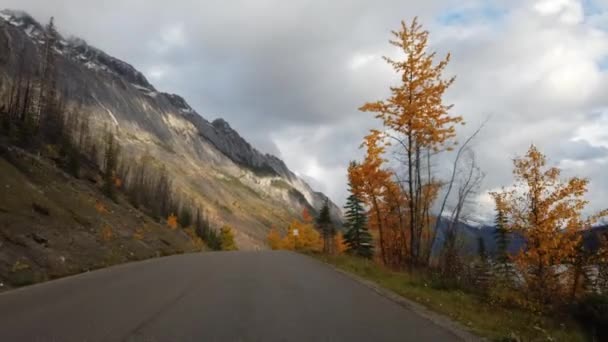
[[206, 233], [326, 227], [110, 163], [185, 216], [482, 272], [49, 109], [501, 236], [357, 237]]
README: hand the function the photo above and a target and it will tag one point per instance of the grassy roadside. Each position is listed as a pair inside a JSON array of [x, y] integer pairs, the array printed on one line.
[[493, 322]]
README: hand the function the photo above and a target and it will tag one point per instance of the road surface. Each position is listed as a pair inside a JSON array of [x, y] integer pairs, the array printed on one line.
[[233, 296]]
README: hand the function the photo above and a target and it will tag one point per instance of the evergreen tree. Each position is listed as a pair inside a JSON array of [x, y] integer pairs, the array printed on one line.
[[4, 120], [326, 227], [49, 116], [69, 151], [501, 236], [110, 163], [162, 193], [357, 237], [204, 231], [185, 216], [212, 239], [482, 271], [481, 250]]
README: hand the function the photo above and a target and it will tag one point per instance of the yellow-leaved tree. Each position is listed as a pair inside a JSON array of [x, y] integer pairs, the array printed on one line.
[[418, 123], [547, 212], [301, 236], [369, 181], [274, 239], [340, 243], [227, 239]]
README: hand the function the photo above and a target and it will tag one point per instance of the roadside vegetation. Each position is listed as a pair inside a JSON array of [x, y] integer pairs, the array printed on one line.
[[403, 222], [468, 307]]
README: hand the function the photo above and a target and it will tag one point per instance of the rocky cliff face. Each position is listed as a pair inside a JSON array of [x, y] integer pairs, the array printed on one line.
[[209, 161]]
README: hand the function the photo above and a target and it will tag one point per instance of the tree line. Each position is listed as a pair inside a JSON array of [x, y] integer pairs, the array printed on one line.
[[321, 235]]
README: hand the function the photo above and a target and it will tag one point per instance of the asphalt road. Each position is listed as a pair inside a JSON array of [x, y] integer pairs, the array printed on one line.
[[236, 296]]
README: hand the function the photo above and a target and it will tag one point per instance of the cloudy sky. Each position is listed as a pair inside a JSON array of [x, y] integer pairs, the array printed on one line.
[[290, 75]]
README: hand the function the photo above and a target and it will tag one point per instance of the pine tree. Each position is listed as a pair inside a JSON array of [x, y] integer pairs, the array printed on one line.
[[481, 250], [110, 162], [501, 236], [162, 193], [185, 216], [204, 231], [49, 111], [482, 271], [326, 227], [4, 120], [357, 236]]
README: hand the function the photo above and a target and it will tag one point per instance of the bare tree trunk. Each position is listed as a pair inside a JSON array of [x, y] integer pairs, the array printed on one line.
[[411, 203], [418, 208], [451, 185], [380, 230]]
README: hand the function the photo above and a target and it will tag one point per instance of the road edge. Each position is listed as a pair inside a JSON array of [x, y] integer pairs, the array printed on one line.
[[440, 320]]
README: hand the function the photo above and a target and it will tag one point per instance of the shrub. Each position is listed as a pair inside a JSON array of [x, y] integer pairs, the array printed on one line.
[[227, 239], [592, 312], [107, 233], [274, 239], [172, 222]]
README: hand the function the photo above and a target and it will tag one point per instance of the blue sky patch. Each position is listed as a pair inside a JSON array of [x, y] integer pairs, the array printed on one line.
[[467, 15]]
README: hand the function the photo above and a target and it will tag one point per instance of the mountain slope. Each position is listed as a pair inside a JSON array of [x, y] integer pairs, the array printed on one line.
[[53, 225], [209, 162]]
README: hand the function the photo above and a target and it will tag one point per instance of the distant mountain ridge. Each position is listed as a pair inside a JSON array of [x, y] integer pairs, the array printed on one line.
[[469, 236], [209, 160]]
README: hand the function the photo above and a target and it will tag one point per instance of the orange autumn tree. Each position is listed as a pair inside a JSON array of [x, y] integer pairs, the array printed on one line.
[[301, 236], [340, 243], [172, 222], [547, 212], [416, 118], [394, 209], [306, 217], [274, 239], [368, 181]]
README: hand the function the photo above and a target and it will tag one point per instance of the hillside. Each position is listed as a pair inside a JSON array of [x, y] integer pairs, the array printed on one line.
[[53, 225], [208, 162]]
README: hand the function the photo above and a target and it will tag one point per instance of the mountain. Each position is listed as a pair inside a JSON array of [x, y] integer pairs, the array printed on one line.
[[469, 236], [208, 162]]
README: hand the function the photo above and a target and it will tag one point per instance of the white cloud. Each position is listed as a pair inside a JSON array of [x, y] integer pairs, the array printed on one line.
[[359, 60], [156, 73], [568, 11], [297, 71], [595, 132], [170, 37]]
